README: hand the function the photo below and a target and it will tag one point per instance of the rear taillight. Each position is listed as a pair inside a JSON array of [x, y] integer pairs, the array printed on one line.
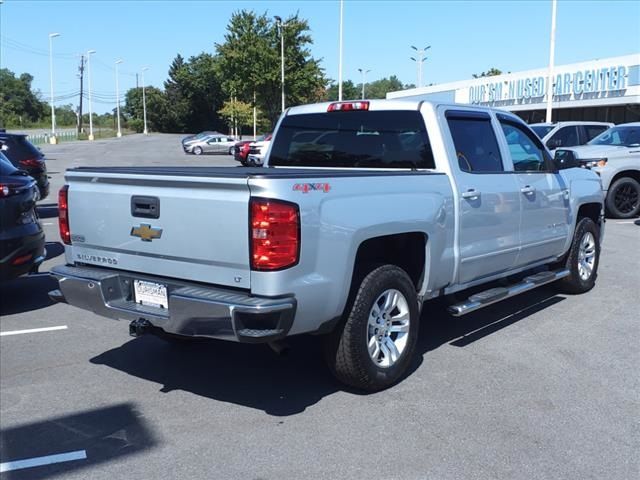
[[347, 106], [31, 162], [63, 214], [275, 234], [8, 189]]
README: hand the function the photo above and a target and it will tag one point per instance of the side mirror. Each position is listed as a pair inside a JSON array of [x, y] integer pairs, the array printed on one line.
[[554, 143], [564, 159]]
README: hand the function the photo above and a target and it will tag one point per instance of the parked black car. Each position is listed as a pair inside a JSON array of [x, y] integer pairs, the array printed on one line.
[[21, 235], [24, 156]]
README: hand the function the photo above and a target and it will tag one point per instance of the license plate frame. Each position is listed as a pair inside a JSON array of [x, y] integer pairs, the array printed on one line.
[[151, 294]]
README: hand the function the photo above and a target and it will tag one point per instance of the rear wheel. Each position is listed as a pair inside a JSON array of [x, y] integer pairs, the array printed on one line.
[[197, 150], [623, 198], [582, 259], [373, 346]]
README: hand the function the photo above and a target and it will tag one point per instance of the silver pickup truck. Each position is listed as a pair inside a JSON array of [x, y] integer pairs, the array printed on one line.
[[364, 212]]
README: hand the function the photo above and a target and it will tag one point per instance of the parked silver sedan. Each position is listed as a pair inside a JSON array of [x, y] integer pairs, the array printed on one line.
[[210, 144]]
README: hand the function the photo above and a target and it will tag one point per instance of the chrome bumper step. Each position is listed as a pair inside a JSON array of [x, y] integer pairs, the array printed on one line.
[[494, 295]]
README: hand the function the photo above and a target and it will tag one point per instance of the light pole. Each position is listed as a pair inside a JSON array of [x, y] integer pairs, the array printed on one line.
[[144, 102], [89, 53], [364, 76], [340, 53], [421, 58], [552, 49], [53, 139], [281, 26], [119, 132]]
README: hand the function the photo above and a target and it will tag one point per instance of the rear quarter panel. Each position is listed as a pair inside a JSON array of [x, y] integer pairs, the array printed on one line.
[[335, 223]]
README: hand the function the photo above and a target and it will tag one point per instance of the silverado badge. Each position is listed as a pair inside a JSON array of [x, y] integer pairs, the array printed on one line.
[[146, 232]]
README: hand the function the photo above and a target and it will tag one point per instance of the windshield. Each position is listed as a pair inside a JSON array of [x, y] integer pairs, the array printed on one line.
[[618, 136], [386, 139], [542, 130]]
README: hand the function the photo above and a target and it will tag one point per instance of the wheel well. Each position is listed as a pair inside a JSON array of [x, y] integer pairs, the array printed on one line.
[[590, 210], [406, 250], [635, 174]]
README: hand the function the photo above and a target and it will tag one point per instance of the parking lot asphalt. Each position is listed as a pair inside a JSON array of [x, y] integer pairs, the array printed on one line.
[[538, 387]]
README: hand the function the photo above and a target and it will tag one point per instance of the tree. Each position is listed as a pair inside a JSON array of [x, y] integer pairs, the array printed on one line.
[[19, 105], [250, 62], [237, 114], [157, 109], [492, 72], [380, 88], [175, 89], [350, 91]]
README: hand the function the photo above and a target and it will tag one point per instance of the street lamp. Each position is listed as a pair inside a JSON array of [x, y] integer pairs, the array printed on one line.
[[119, 132], [364, 75], [281, 26], [144, 102], [340, 52], [421, 58], [552, 49], [53, 110], [89, 53]]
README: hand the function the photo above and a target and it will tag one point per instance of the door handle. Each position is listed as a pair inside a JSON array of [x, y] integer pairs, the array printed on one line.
[[471, 194], [528, 190]]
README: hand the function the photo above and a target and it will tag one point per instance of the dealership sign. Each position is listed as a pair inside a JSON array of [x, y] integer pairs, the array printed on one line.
[[590, 83]]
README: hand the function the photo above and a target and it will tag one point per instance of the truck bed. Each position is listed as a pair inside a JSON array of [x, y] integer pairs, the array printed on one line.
[[247, 172]]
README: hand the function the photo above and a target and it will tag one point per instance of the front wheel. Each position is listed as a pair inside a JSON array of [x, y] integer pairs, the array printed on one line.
[[623, 198], [197, 150], [371, 349], [582, 259]]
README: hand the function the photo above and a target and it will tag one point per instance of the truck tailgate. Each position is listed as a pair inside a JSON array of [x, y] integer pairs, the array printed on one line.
[[200, 234]]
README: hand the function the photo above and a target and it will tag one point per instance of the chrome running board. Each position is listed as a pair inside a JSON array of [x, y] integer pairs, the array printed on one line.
[[494, 295]]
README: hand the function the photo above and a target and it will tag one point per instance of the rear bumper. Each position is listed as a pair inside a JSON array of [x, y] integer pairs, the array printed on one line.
[[194, 310]]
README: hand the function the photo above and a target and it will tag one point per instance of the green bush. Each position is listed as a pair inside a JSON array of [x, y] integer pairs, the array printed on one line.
[[136, 124]]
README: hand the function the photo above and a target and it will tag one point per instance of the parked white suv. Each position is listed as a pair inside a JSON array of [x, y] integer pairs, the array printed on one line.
[[615, 156], [568, 134]]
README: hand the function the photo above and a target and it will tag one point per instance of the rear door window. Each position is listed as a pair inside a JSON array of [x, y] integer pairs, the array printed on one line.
[[564, 137], [476, 145], [592, 131], [360, 139]]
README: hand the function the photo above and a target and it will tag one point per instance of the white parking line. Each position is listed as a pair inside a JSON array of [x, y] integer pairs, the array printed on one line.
[[33, 330], [39, 461]]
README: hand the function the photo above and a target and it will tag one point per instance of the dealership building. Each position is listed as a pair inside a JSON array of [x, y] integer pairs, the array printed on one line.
[[605, 90]]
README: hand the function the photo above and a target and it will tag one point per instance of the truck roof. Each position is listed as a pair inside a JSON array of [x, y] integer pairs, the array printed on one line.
[[388, 104]]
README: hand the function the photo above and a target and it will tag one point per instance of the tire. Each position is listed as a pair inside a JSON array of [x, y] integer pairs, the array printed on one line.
[[197, 151], [347, 350], [623, 198], [585, 245]]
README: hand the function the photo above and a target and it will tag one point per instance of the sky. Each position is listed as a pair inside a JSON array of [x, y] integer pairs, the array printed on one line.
[[465, 37]]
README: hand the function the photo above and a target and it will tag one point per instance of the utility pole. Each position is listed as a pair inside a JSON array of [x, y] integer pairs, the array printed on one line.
[[552, 50], [340, 52], [81, 75]]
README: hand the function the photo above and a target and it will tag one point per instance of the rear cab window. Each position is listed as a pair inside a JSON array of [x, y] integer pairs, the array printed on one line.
[[358, 139]]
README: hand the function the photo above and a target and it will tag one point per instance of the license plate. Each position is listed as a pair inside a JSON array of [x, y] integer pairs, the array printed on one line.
[[150, 293]]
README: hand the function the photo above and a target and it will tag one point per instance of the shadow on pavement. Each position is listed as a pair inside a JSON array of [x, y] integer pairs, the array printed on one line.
[[47, 210], [105, 434], [54, 249], [25, 294], [254, 376]]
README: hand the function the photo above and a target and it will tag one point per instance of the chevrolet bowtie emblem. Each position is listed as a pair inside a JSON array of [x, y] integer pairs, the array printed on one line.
[[146, 232]]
